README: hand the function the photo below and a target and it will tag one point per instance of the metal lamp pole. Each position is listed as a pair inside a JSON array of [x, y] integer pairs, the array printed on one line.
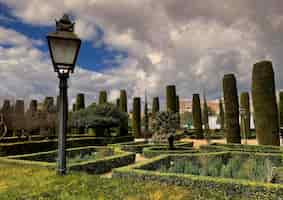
[[64, 46], [63, 114]]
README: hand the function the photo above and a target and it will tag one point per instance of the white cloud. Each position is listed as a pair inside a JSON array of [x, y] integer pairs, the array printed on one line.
[[188, 43]]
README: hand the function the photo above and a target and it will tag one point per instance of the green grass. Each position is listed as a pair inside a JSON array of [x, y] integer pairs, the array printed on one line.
[[28, 183]]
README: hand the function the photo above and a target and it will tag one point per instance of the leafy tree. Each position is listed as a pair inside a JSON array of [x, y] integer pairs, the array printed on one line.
[[164, 126], [101, 117]]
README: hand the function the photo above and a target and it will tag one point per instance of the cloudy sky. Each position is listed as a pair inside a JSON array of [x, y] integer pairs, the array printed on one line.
[[140, 44]]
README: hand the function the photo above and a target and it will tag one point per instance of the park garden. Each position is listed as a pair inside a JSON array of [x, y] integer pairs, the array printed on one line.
[[116, 152]]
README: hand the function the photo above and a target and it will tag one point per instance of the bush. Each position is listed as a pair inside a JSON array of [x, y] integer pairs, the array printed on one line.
[[230, 188]]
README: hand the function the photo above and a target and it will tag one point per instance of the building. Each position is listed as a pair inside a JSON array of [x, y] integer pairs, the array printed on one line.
[[186, 105]]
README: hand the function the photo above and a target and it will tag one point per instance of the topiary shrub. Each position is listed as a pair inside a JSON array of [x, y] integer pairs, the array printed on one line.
[[164, 126], [281, 108], [102, 97], [264, 103], [123, 101], [80, 101], [155, 105], [221, 115], [231, 103], [197, 120], [171, 98], [136, 118], [7, 112], [99, 117], [245, 120]]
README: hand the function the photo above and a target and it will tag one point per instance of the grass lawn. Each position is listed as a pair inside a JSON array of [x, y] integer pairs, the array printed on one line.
[[28, 183]]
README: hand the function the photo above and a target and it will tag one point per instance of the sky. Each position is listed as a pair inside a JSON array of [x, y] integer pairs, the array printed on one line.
[[140, 45]]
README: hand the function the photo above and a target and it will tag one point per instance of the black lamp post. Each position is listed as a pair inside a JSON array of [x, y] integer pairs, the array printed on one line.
[[64, 48]]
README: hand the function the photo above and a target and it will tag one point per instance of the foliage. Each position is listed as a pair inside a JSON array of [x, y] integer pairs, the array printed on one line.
[[136, 118], [102, 97], [171, 98], [34, 183], [220, 118], [80, 101], [231, 102], [164, 125], [255, 169], [123, 101], [197, 120], [105, 115], [264, 104]]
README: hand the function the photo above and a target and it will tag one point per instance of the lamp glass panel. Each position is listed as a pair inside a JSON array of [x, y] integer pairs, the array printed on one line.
[[64, 51]]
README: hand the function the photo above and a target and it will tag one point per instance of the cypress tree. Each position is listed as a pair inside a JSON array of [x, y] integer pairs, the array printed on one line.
[[231, 102], [264, 103], [155, 106], [33, 106], [74, 107], [48, 104], [221, 114], [146, 119], [171, 98], [7, 112], [178, 111], [197, 120], [118, 103], [205, 114], [80, 101], [102, 97], [19, 115], [136, 119], [123, 101], [245, 120]]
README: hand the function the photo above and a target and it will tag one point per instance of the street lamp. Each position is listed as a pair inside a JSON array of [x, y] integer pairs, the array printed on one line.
[[64, 46]]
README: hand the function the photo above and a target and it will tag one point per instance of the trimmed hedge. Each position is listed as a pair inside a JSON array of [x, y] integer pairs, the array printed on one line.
[[48, 145], [230, 187], [137, 147], [243, 148], [150, 152], [97, 166]]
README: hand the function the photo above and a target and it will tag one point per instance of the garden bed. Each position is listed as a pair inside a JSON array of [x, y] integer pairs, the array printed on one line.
[[242, 148], [153, 151], [200, 171], [94, 160], [27, 147], [137, 147]]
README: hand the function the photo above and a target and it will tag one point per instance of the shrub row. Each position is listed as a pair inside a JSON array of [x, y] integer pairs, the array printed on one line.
[[242, 148], [47, 145], [91, 166], [137, 147], [150, 152], [231, 187]]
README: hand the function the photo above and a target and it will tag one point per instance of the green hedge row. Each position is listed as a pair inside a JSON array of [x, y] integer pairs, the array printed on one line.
[[48, 145], [150, 152], [97, 166], [50, 156], [231, 187], [137, 147], [242, 148]]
